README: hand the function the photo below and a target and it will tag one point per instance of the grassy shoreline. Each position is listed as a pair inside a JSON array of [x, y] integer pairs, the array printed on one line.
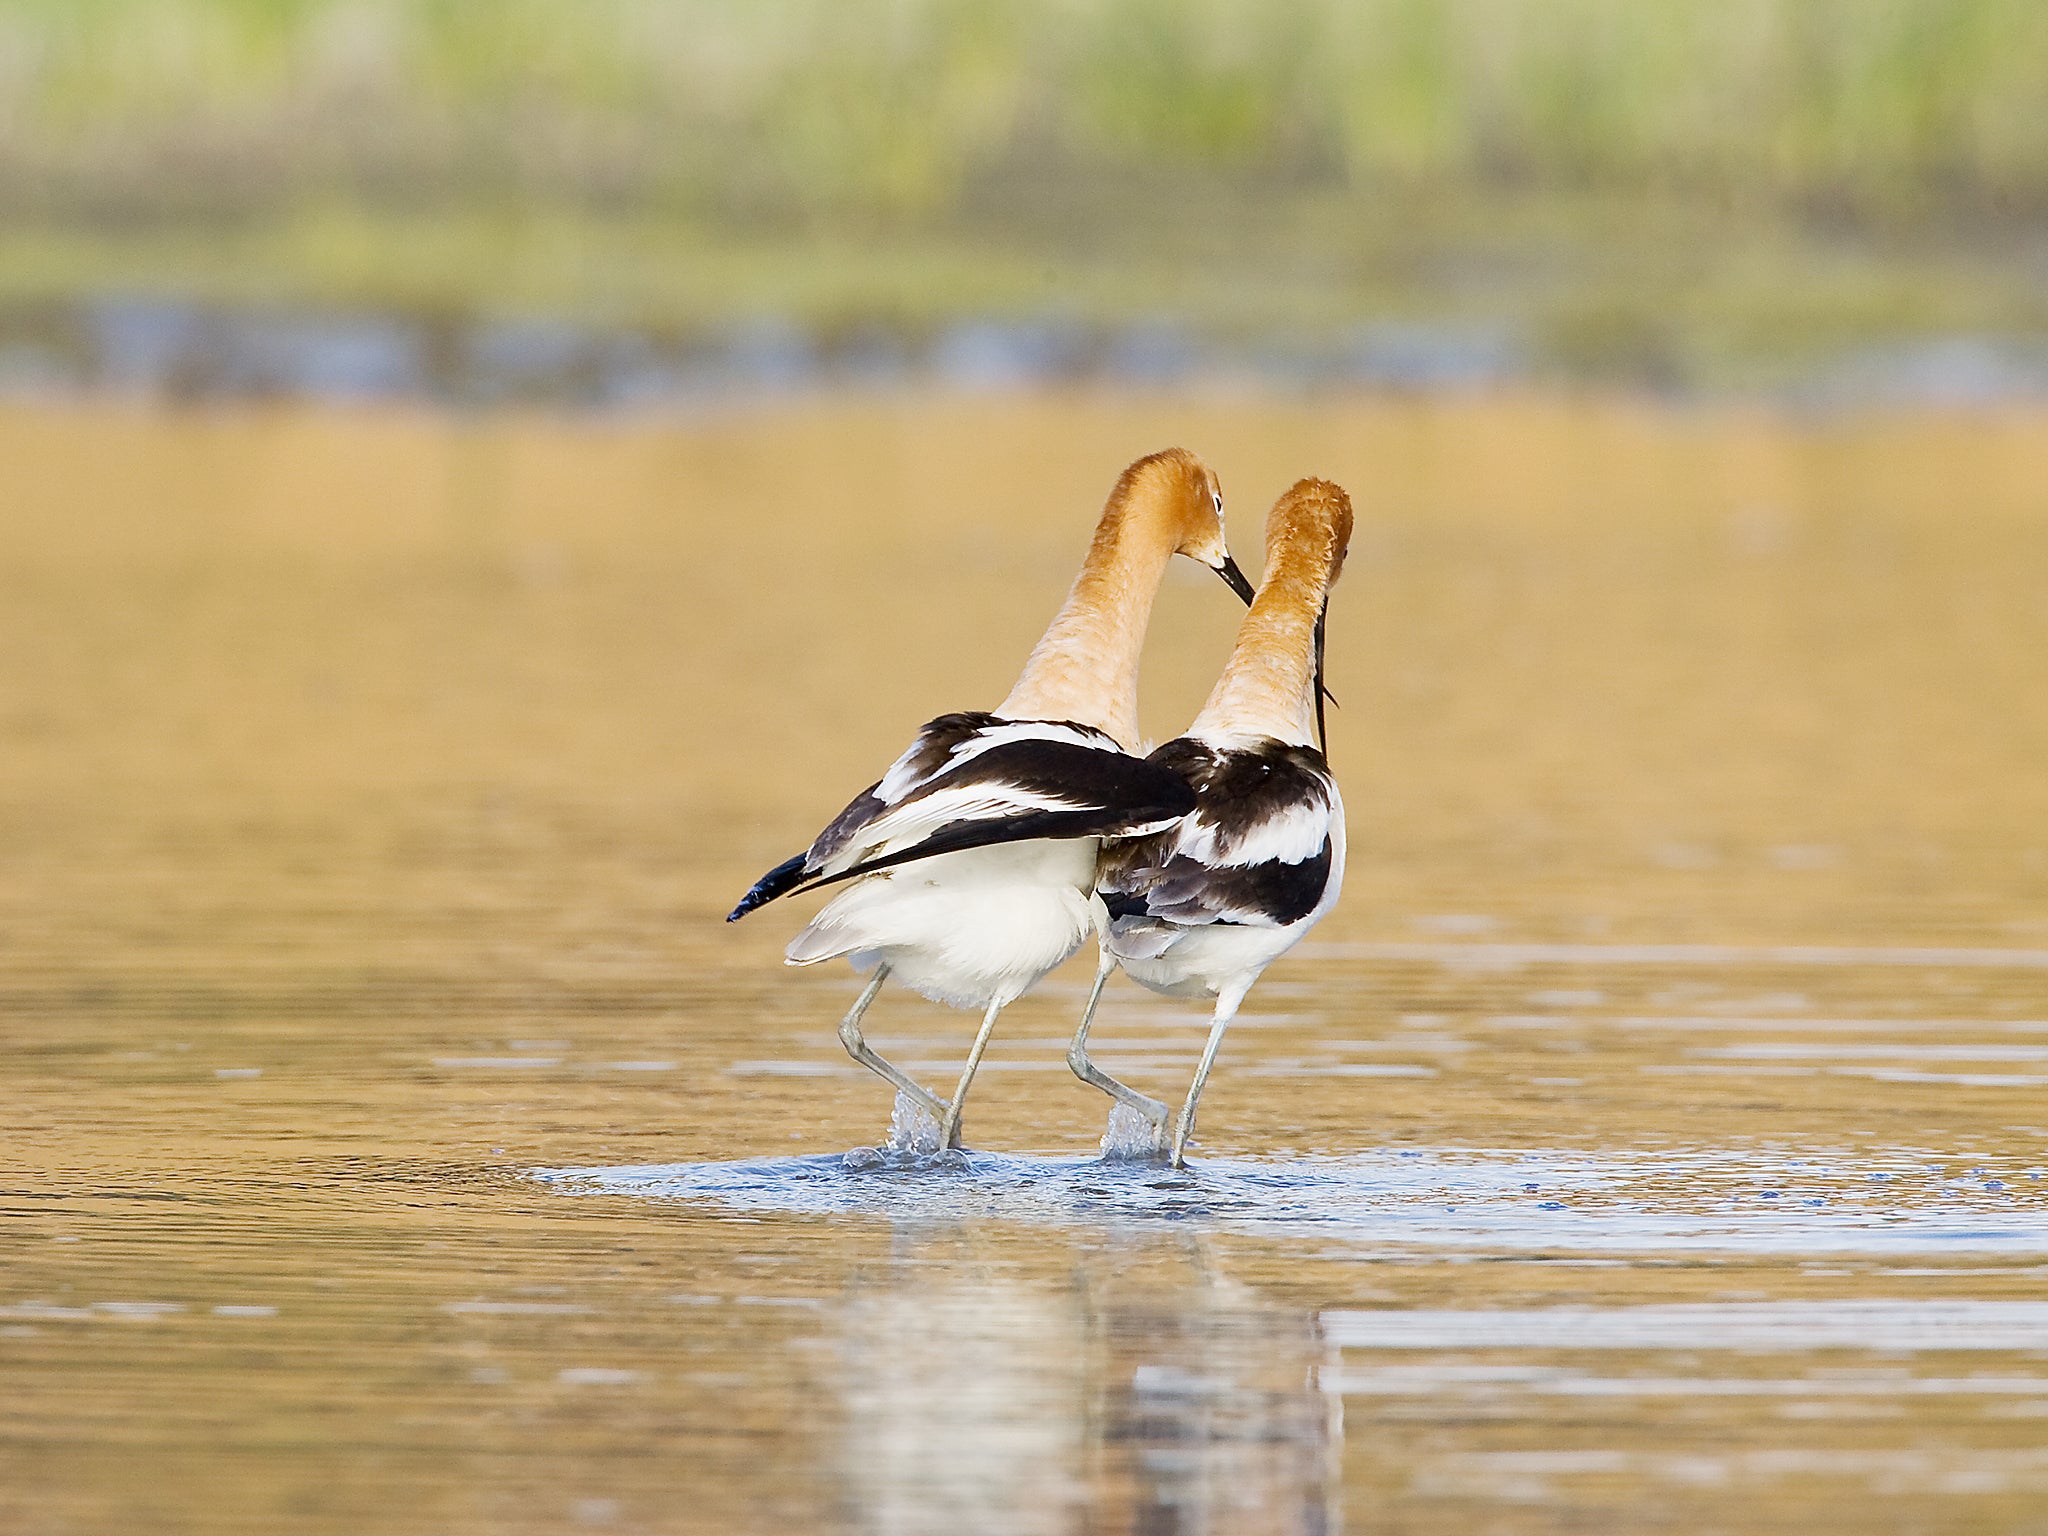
[[1699, 191], [902, 108], [1627, 291]]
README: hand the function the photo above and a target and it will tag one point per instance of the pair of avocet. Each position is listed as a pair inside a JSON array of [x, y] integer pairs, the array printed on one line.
[[994, 847]]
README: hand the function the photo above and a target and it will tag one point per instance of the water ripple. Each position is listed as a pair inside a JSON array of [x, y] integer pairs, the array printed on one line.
[[1446, 1198]]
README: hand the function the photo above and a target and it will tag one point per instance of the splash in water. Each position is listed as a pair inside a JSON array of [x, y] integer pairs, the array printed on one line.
[[912, 1128], [1131, 1137], [911, 1145]]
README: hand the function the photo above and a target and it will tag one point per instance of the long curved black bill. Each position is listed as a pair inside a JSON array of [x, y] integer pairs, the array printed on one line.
[[1236, 580], [1322, 693]]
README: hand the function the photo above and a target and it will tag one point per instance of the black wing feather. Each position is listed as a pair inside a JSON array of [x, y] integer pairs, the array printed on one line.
[[1101, 793], [1186, 891], [1239, 789], [779, 881], [1017, 829]]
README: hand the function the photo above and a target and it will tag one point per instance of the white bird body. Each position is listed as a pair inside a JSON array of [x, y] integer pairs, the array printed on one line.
[[1202, 907], [972, 860], [978, 926], [959, 917], [967, 929], [1215, 958]]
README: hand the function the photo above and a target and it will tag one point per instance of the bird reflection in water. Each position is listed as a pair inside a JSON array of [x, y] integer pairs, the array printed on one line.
[[1145, 1394]]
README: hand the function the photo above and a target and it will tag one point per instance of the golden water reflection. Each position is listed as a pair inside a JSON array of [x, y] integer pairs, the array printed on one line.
[[1652, 1139]]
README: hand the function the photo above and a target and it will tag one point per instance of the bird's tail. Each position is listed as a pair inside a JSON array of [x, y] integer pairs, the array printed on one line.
[[824, 938], [779, 881], [849, 923]]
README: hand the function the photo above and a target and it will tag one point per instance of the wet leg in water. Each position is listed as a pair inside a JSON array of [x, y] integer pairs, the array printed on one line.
[[858, 1048], [949, 1121], [1095, 1077], [1226, 1010]]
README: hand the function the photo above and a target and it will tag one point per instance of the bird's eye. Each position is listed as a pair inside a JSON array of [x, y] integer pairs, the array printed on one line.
[[1217, 497]]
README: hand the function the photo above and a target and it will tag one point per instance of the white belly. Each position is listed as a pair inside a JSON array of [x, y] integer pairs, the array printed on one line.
[[968, 929], [1201, 962]]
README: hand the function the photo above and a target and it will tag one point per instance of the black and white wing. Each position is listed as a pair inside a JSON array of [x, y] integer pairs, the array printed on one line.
[[972, 780], [1257, 851]]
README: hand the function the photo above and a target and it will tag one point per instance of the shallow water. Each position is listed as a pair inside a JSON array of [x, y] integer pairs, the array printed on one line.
[[1653, 1139], [1497, 1201]]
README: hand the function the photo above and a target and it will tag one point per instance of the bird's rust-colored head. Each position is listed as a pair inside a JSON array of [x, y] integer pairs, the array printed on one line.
[[1307, 534], [1273, 684], [1085, 666], [1179, 494]]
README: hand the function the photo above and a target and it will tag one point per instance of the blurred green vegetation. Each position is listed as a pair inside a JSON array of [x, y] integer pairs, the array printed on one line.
[[1255, 159], [891, 108]]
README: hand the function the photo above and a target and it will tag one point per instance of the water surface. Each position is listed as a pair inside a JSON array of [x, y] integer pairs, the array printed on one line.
[[399, 1141]]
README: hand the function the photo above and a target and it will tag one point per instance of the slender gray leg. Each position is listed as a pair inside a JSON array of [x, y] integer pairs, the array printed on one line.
[[949, 1123], [1226, 1010], [1094, 1076], [862, 1052]]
